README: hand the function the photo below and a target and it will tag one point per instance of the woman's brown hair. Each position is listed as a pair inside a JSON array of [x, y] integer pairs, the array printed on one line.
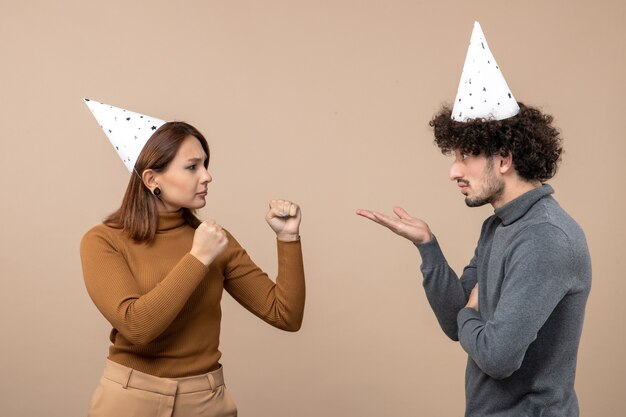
[[138, 214]]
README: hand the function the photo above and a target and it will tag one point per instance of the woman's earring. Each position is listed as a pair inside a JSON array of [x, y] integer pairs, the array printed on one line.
[[157, 191]]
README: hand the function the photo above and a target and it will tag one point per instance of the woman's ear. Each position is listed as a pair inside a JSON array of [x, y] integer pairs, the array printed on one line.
[[149, 179]]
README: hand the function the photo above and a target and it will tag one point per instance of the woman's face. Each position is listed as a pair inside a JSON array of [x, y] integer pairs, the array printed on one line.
[[184, 182]]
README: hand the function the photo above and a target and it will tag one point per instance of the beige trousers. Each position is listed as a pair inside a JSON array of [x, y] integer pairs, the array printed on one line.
[[126, 392]]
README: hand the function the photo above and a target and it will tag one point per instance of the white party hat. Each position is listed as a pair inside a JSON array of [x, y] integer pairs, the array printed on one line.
[[483, 92], [127, 131]]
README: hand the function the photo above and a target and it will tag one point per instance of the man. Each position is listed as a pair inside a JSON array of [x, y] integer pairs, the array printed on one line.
[[518, 307]]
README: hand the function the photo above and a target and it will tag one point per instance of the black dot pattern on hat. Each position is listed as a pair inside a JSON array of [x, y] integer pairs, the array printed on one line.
[[482, 92], [127, 131]]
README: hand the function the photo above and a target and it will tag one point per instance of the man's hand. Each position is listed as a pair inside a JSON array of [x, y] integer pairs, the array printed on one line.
[[473, 298], [403, 224]]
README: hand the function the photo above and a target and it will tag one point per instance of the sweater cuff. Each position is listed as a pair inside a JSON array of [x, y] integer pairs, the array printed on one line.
[[466, 314], [192, 265], [431, 253], [288, 248]]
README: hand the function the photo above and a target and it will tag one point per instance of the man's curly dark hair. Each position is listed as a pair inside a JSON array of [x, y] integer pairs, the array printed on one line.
[[529, 136]]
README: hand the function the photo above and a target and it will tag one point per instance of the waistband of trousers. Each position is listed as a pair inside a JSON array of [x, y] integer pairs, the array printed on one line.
[[128, 377]]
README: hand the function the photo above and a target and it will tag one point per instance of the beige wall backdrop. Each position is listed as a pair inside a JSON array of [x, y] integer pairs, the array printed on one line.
[[322, 102]]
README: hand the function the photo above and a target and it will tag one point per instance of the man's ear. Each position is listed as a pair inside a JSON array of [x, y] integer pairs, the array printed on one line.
[[506, 161], [149, 179]]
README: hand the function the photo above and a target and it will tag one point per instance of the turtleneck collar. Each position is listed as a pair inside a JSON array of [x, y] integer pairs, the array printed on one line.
[[516, 208], [170, 220]]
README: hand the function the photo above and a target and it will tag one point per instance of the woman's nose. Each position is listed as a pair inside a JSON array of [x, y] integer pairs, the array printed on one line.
[[206, 177]]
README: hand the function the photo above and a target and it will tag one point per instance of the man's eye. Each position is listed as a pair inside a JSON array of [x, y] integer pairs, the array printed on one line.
[[463, 156]]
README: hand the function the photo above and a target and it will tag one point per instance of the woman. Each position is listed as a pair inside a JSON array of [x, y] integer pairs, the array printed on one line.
[[157, 273]]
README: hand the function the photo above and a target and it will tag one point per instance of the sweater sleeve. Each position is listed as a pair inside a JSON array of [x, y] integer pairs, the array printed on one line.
[[446, 293], [138, 317], [280, 304], [538, 274]]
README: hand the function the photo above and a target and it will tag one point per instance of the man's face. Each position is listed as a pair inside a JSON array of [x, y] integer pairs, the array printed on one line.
[[478, 179]]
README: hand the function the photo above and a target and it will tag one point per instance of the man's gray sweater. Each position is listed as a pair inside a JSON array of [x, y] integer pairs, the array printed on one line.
[[533, 268]]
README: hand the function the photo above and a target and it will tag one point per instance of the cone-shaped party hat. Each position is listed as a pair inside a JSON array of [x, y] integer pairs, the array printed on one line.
[[483, 91], [127, 131]]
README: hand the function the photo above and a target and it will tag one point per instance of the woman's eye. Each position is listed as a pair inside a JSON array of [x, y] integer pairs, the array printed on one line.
[[191, 167]]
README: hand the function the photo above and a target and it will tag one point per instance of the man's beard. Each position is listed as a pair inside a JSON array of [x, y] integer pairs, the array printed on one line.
[[492, 192]]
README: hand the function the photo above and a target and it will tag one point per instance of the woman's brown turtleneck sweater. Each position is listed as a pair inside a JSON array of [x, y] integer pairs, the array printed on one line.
[[164, 304]]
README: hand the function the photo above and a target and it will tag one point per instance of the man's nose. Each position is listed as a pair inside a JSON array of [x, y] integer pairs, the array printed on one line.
[[456, 171]]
